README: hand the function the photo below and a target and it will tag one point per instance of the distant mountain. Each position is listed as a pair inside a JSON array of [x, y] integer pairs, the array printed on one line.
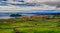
[[3, 14], [44, 13]]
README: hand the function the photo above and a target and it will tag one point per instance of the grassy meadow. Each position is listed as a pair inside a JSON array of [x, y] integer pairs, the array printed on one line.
[[30, 25]]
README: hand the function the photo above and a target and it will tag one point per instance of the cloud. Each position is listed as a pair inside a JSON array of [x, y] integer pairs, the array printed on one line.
[[53, 3], [45, 5], [23, 8]]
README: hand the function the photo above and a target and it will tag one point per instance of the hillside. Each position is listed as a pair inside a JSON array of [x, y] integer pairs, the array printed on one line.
[[30, 25]]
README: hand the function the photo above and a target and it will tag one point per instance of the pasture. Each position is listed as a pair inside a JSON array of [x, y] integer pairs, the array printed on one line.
[[30, 25]]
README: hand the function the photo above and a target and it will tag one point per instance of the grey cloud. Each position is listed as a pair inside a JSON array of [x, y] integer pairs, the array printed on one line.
[[56, 3]]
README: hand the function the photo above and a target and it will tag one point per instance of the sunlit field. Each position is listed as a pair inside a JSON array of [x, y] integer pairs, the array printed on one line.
[[30, 25]]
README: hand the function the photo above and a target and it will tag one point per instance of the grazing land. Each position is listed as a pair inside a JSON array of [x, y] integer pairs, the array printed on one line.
[[30, 25]]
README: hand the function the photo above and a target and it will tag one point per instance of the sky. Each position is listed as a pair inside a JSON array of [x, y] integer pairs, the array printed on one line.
[[45, 5]]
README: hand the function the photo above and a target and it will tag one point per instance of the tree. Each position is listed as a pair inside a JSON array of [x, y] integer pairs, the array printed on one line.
[[15, 15]]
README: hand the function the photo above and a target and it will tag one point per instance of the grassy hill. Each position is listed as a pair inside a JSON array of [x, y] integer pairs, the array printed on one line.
[[30, 25]]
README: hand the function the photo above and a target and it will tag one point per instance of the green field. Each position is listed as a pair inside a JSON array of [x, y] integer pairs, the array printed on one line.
[[30, 25]]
